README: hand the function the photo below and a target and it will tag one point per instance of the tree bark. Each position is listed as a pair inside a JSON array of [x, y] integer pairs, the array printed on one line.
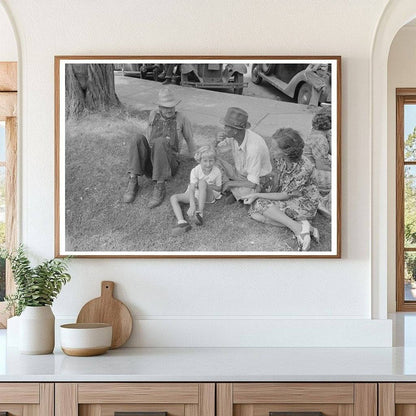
[[89, 87]]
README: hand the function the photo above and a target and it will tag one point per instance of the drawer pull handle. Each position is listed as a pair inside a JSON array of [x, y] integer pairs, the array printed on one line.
[[139, 414], [296, 414]]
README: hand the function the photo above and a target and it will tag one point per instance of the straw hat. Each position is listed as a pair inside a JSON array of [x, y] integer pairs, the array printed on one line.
[[166, 98], [237, 118]]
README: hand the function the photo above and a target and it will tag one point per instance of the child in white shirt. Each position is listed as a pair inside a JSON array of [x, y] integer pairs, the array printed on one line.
[[204, 187]]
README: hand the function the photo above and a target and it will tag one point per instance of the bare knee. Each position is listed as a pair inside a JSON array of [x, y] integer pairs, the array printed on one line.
[[202, 184], [174, 198]]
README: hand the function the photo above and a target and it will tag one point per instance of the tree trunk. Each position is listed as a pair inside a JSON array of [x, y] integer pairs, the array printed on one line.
[[89, 87]]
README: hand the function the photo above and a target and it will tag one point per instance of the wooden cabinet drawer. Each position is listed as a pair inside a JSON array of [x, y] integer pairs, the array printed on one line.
[[397, 399], [331, 399], [22, 399], [105, 399]]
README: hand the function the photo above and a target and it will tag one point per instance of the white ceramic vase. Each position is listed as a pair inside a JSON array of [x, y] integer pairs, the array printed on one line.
[[37, 330], [13, 331]]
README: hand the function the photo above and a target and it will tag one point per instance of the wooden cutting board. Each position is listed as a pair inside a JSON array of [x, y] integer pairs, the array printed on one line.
[[107, 309]]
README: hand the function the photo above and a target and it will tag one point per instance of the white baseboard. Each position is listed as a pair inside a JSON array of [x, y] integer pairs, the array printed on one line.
[[258, 332]]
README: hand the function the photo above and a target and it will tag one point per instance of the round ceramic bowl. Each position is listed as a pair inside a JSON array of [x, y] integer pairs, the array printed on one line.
[[83, 340]]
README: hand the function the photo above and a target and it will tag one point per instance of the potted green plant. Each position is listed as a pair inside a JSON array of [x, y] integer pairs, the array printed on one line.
[[36, 289]]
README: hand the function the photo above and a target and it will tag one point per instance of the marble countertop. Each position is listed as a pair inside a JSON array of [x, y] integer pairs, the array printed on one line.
[[212, 365], [221, 364]]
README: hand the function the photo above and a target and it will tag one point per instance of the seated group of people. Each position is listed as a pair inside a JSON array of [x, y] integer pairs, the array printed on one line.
[[283, 184]]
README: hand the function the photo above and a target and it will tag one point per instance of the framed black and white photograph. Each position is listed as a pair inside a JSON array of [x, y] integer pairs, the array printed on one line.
[[198, 156]]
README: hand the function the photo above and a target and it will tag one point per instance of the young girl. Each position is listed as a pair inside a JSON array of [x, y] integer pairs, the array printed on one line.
[[204, 187]]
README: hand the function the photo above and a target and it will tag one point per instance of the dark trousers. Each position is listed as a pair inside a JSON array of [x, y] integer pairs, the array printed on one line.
[[157, 161], [169, 70]]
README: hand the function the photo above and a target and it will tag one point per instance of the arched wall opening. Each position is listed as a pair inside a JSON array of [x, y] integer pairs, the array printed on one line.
[[397, 14], [401, 73]]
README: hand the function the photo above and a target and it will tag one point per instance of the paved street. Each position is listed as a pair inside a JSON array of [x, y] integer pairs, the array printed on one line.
[[206, 108]]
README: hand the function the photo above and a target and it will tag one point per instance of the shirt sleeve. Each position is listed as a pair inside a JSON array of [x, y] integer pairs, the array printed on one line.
[[218, 177], [150, 124], [253, 168], [188, 133], [193, 176]]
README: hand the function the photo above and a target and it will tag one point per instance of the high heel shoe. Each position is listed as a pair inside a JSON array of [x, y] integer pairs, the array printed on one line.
[[315, 234]]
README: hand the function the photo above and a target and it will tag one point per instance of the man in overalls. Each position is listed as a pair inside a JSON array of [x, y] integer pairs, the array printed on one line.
[[156, 155]]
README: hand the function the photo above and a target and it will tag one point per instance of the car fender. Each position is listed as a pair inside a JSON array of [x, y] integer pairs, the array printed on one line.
[[295, 83]]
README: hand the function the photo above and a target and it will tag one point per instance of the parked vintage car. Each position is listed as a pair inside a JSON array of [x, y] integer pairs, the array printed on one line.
[[288, 78], [214, 76], [149, 71]]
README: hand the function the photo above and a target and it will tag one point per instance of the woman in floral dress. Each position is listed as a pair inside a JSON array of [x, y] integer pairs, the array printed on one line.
[[290, 197], [318, 151]]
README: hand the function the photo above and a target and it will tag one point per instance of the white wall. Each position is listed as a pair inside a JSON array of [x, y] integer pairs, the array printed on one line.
[[401, 74], [8, 47], [179, 302]]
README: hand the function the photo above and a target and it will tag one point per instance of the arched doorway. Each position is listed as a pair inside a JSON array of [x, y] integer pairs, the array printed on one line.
[[401, 110], [396, 14]]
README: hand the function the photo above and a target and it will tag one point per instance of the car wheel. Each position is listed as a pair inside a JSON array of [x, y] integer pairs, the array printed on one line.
[[238, 79], [304, 93], [255, 75], [267, 68]]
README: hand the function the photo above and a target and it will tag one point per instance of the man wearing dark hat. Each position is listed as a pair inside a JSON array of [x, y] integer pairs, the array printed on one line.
[[156, 155], [250, 153]]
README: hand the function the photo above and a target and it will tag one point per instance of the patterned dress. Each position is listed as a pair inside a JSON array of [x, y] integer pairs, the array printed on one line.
[[317, 149], [292, 180]]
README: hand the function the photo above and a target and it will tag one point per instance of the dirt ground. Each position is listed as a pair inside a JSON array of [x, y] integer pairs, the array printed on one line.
[[98, 220]]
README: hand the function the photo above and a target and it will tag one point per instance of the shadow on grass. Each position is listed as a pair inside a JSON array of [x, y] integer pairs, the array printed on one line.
[[98, 220]]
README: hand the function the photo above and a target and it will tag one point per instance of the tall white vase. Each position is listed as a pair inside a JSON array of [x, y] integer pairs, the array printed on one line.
[[13, 332], [37, 330]]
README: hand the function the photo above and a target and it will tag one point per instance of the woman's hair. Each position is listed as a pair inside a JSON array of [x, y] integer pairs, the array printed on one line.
[[290, 142], [322, 120], [208, 151]]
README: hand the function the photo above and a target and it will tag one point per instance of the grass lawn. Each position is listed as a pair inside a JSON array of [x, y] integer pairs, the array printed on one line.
[[98, 220]]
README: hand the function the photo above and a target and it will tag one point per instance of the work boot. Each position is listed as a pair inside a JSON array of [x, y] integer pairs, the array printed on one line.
[[131, 190], [198, 218], [158, 195], [230, 199]]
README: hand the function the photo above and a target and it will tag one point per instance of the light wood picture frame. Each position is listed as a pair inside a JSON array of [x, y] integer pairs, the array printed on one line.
[[106, 107]]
